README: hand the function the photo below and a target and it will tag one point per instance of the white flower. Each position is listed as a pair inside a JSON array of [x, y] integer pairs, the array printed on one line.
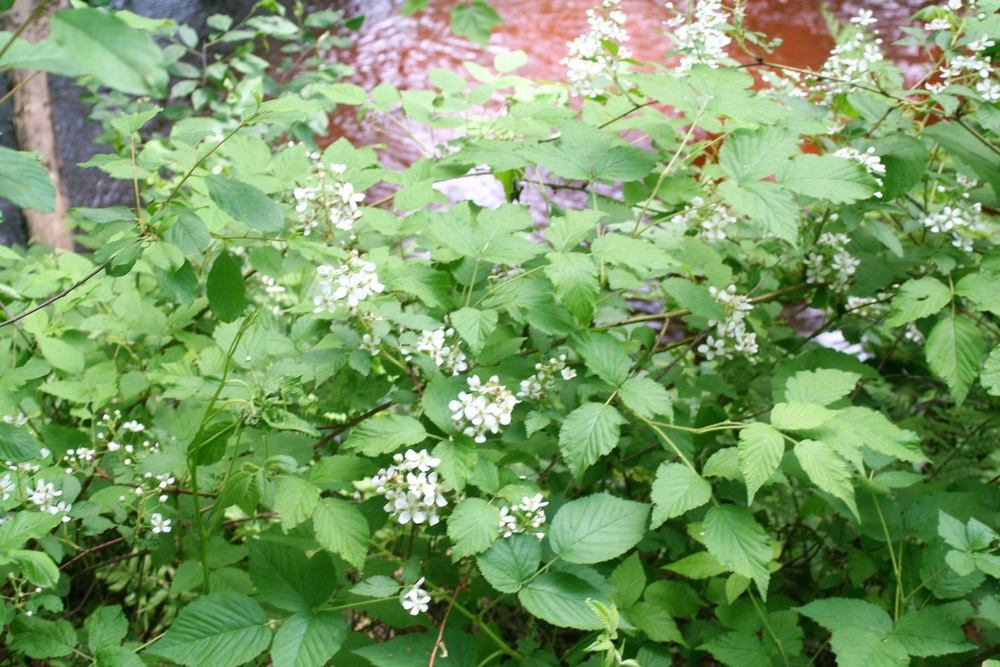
[[351, 283], [133, 426], [700, 36], [7, 487], [591, 67], [730, 335], [937, 25], [159, 524], [412, 491], [435, 345], [542, 382], [483, 409], [416, 600], [330, 201], [526, 517], [864, 18]]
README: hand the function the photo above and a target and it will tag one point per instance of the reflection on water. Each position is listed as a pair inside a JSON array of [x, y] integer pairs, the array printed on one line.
[[402, 50]]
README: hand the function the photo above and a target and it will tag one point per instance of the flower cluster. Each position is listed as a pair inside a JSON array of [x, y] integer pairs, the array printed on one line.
[[544, 380], [831, 263], [411, 488], [972, 67], [593, 66], [332, 201], [483, 409], [44, 496], [352, 282], [526, 517], [867, 159], [730, 336], [712, 221], [701, 36], [958, 221], [435, 345], [416, 600], [850, 62]]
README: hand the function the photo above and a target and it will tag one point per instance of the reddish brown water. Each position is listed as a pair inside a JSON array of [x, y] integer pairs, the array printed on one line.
[[402, 50]]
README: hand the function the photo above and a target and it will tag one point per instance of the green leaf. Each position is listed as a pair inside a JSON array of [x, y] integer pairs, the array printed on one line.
[[221, 629], [378, 586], [583, 152], [800, 416], [24, 526], [243, 489], [630, 580], [473, 526], [916, 299], [39, 639], [954, 347], [822, 387], [120, 57], [510, 562], [568, 231], [117, 656], [287, 579], [739, 543], [188, 233], [597, 528], [25, 182], [655, 621], [309, 640], [699, 565], [37, 566], [983, 289], [769, 206], [107, 626], [561, 599], [384, 434], [225, 288], [990, 377], [740, 648], [750, 155], [17, 445], [827, 470], [696, 298], [294, 500], [474, 326], [474, 21], [827, 177], [589, 432], [60, 354], [246, 203], [575, 277], [342, 529], [604, 356], [861, 632], [508, 61], [968, 148], [935, 629], [414, 650], [905, 159], [760, 450], [676, 490], [854, 427], [646, 397]]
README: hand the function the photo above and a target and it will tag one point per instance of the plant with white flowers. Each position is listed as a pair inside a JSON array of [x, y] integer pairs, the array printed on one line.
[[411, 488], [483, 409]]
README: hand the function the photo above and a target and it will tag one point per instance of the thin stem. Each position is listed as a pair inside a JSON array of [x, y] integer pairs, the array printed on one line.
[[55, 298], [896, 563]]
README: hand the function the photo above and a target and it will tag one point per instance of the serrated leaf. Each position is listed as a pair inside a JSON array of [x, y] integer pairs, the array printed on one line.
[[289, 580], [24, 526], [37, 566], [597, 528], [630, 580], [954, 347], [225, 288], [474, 326], [308, 640], [117, 55], [473, 526], [827, 470], [567, 231], [739, 543], [982, 289], [750, 155], [342, 529], [604, 356], [221, 629], [294, 500], [38, 638], [855, 427], [474, 21], [699, 565], [916, 299], [25, 182], [822, 387], [827, 177], [414, 650], [861, 633], [378, 586], [384, 434], [589, 432], [676, 490], [760, 450], [800, 416], [990, 377], [655, 621], [17, 445], [935, 629], [246, 204], [646, 397], [696, 298], [458, 461], [510, 562], [740, 648], [575, 278], [560, 598], [770, 207], [584, 152], [106, 626]]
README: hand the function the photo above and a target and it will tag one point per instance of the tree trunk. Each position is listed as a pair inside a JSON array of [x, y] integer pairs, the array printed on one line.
[[33, 124]]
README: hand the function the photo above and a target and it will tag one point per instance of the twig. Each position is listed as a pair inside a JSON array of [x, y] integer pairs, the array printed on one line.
[[55, 298], [340, 428]]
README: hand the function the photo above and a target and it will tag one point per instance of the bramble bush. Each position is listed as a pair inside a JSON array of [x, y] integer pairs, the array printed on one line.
[[726, 392]]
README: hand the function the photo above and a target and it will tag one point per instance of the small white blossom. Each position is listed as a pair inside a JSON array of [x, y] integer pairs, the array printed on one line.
[[537, 386], [591, 66], [351, 283], [7, 487], [831, 263], [701, 35], [730, 336], [525, 517], [411, 488], [416, 600], [159, 524], [436, 345], [133, 426]]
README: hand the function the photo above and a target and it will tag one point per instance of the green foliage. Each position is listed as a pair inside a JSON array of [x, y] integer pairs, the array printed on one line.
[[276, 418]]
